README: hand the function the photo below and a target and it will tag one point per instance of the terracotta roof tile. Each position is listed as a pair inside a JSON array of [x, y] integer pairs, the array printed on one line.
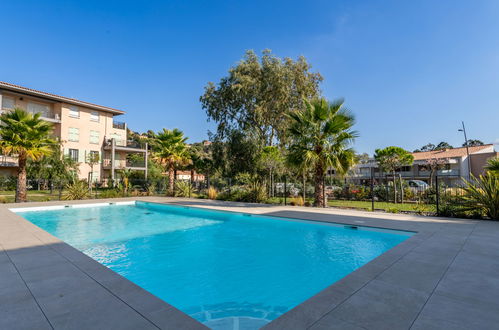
[[448, 153], [34, 92]]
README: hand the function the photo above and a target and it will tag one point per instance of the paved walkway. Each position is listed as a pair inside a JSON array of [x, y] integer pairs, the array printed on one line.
[[444, 277]]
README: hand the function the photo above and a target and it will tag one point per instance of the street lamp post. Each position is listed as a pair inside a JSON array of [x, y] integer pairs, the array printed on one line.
[[467, 149]]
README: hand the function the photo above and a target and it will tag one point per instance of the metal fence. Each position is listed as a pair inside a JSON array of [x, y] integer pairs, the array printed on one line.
[[386, 194]]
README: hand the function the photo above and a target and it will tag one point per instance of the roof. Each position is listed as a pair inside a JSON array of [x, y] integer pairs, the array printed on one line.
[[448, 153], [54, 97]]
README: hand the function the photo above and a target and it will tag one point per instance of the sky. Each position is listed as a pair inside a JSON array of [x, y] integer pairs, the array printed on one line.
[[410, 71]]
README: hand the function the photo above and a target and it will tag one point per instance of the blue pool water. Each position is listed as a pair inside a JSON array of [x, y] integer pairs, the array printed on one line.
[[224, 269]]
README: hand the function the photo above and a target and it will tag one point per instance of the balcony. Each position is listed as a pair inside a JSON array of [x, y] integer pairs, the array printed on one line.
[[122, 145], [119, 125], [121, 164]]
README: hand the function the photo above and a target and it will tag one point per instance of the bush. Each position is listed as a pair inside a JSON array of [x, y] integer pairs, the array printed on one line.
[[297, 201], [109, 193], [182, 188], [481, 196], [212, 193], [77, 190]]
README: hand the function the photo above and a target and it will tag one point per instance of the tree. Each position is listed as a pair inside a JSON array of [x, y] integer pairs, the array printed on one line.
[[434, 164], [392, 158], [93, 159], [443, 145], [171, 151], [27, 136], [54, 167], [473, 143], [258, 94], [431, 147], [202, 159], [321, 136], [272, 161]]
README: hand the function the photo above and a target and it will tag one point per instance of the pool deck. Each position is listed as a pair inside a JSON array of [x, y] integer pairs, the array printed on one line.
[[444, 277]]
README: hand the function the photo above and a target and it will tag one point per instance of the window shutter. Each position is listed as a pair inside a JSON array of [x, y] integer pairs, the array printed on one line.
[[81, 156]]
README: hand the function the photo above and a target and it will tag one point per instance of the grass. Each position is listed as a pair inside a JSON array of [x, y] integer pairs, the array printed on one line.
[[366, 205], [45, 195], [386, 206]]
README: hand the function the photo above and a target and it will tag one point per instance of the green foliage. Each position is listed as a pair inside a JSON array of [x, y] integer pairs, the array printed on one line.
[[169, 148], [237, 154], [183, 188], [77, 190], [109, 193], [321, 136], [431, 147], [54, 167], [473, 143], [482, 195], [171, 151], [26, 136], [257, 95], [392, 158], [493, 166]]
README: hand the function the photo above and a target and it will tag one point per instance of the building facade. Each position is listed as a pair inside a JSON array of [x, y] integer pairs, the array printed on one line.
[[451, 165], [84, 129]]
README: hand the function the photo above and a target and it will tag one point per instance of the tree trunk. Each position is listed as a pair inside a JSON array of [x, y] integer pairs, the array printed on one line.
[[319, 186], [304, 191], [171, 180], [394, 188], [21, 179]]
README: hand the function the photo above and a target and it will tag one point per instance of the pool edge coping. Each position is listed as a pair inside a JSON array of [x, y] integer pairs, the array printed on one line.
[[337, 292]]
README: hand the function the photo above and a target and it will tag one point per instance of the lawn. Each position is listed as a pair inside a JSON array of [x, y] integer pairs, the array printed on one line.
[[366, 205], [390, 207]]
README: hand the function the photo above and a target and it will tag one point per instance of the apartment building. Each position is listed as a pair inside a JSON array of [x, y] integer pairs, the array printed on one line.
[[452, 165], [83, 128]]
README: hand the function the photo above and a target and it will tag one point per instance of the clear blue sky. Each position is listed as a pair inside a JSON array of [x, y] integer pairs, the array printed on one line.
[[410, 70]]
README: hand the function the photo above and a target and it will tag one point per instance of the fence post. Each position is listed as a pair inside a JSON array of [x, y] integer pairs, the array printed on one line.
[[324, 191], [285, 184], [437, 197], [372, 189], [60, 190]]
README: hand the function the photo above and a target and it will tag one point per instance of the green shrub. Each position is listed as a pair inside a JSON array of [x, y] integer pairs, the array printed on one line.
[[77, 190], [481, 196], [182, 188], [109, 193]]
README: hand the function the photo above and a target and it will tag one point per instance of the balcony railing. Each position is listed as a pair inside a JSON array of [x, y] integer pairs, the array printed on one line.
[[119, 125], [123, 163], [128, 144]]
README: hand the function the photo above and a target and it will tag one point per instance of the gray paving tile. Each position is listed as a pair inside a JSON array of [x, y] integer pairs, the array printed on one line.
[[174, 319], [407, 273], [91, 308], [331, 323], [472, 285], [443, 312], [19, 310], [380, 305]]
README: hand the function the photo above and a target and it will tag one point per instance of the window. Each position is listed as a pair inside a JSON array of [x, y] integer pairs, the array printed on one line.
[[118, 139], [73, 154], [74, 112], [94, 116], [94, 137], [8, 103], [74, 134], [43, 109]]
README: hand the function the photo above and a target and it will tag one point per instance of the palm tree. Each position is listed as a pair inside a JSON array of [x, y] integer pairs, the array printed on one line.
[[493, 166], [171, 151], [27, 136], [321, 136]]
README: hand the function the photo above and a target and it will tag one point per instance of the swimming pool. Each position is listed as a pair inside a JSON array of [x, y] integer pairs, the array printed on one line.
[[224, 269]]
